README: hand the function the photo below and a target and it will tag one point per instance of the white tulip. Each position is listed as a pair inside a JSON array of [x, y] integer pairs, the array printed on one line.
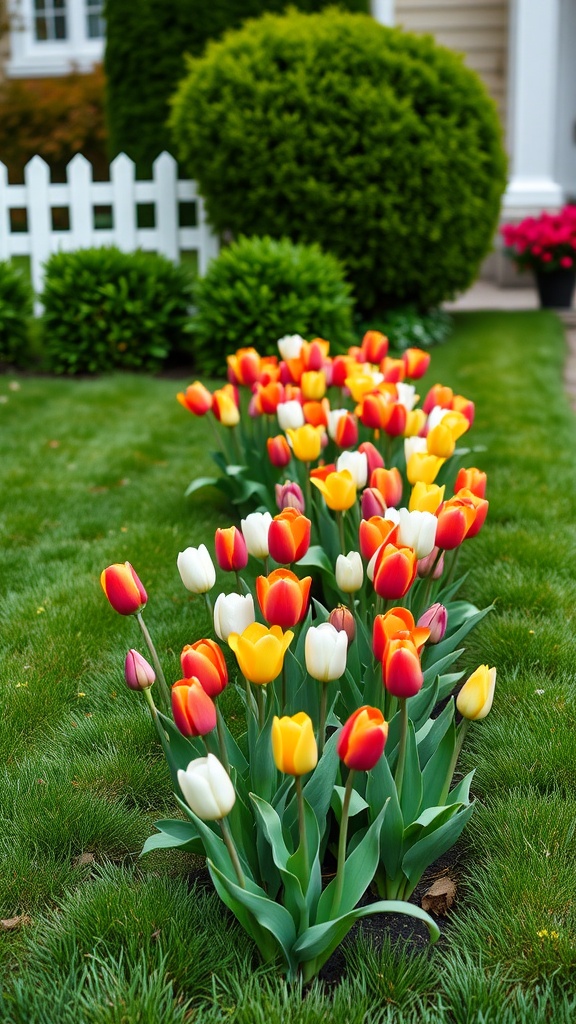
[[325, 651], [196, 569], [349, 572], [357, 465], [417, 530], [290, 346], [435, 416], [207, 788], [290, 415], [406, 395], [392, 515], [255, 530], [334, 417], [233, 613], [414, 444]]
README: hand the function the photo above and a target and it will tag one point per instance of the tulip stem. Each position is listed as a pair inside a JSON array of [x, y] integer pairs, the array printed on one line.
[[307, 489], [302, 826], [283, 689], [340, 521], [164, 691], [322, 722], [452, 570], [260, 702], [342, 845], [222, 740], [430, 581], [208, 604], [227, 837], [399, 778], [460, 737], [238, 583]]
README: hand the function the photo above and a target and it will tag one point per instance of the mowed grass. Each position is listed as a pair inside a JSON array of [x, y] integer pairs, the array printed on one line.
[[94, 472]]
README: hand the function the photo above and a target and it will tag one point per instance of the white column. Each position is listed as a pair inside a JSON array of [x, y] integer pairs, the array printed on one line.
[[383, 11], [533, 81]]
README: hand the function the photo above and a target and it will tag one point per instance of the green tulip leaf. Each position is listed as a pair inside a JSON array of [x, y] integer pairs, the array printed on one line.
[[427, 850], [461, 792], [316, 558], [359, 869], [411, 798], [447, 683], [174, 834], [433, 734], [357, 802], [435, 774], [439, 666], [435, 654]]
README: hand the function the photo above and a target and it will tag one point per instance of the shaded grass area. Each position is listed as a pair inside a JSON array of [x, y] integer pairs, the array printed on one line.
[[94, 472]]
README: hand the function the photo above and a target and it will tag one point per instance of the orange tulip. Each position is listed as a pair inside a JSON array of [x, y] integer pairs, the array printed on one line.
[[123, 589], [401, 669], [389, 483], [473, 480], [455, 518], [244, 366], [416, 362], [481, 507], [278, 451], [374, 347], [193, 710], [316, 412], [396, 624], [338, 490], [363, 738], [205, 661], [373, 533], [393, 370], [197, 399], [465, 406], [394, 571], [283, 598], [231, 550], [374, 411], [346, 433], [438, 395], [289, 536], [225, 405], [267, 397]]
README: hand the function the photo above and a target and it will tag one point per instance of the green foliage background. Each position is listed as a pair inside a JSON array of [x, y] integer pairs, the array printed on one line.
[[377, 144], [15, 313], [145, 47]]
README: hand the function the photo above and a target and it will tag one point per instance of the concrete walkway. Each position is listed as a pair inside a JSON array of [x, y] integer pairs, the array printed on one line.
[[486, 295]]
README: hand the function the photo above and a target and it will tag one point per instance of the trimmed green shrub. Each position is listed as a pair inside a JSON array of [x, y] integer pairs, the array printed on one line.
[[145, 47], [105, 309], [16, 300], [259, 289], [378, 144]]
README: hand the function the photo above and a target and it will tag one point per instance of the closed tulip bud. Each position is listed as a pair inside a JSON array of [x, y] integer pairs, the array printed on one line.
[[464, 406], [123, 588], [401, 669], [349, 572], [454, 521], [415, 423], [267, 397], [283, 598], [306, 442], [357, 464], [374, 409], [394, 571], [139, 675], [416, 362], [233, 613], [431, 564], [392, 370], [438, 395], [289, 536], [389, 483], [372, 503], [456, 423], [244, 366], [340, 370], [197, 399], [231, 550], [406, 396], [343, 620], [374, 347], [338, 489], [278, 451], [440, 441], [373, 533], [396, 624], [414, 444], [325, 651], [373, 456], [290, 346], [481, 508], [196, 569], [294, 744], [362, 739], [316, 414], [207, 788], [426, 497], [346, 433], [435, 618], [255, 531], [260, 651], [396, 422], [423, 467], [473, 480], [225, 406], [289, 495], [417, 530], [313, 384], [193, 710], [290, 415], [475, 698], [205, 661]]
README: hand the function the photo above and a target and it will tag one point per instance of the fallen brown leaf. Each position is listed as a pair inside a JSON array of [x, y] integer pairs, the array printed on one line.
[[83, 859], [10, 924], [440, 896]]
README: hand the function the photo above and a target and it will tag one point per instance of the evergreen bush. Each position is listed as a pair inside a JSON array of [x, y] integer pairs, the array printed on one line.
[[106, 309], [15, 314], [259, 289], [378, 144]]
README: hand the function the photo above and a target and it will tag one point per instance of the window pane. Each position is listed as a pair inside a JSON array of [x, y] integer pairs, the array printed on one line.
[[95, 26], [60, 4], [41, 29], [60, 26], [39, 5]]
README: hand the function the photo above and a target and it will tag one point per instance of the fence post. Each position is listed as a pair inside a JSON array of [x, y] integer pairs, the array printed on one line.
[[122, 175], [4, 214], [164, 170], [37, 178], [79, 174]]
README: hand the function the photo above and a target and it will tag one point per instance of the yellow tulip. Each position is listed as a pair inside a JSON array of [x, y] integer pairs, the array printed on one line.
[[294, 744], [415, 420], [441, 441], [475, 698], [306, 442], [338, 490], [456, 422], [313, 384], [360, 383], [423, 468], [260, 651], [426, 497]]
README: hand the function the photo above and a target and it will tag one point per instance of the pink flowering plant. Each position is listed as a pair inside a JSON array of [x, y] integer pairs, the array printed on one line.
[[343, 618], [547, 242]]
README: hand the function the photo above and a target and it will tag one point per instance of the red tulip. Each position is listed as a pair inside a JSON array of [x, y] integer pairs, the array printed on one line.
[[363, 738], [205, 661], [193, 710], [283, 598], [289, 536], [401, 669], [123, 588], [394, 571], [197, 399], [231, 550]]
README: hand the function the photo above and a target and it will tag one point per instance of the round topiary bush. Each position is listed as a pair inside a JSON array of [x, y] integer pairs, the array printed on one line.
[[106, 309], [15, 314], [259, 289], [377, 144]]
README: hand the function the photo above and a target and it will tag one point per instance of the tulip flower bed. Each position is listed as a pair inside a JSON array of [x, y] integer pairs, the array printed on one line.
[[350, 744], [92, 931]]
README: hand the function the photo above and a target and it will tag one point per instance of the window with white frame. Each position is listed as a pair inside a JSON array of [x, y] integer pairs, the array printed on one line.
[[53, 37]]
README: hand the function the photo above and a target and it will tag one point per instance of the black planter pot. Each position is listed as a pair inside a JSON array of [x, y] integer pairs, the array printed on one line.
[[556, 287]]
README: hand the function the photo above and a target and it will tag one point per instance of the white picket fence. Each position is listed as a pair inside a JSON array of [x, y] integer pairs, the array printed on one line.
[[80, 195]]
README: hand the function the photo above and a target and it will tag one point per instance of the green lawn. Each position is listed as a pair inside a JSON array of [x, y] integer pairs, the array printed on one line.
[[94, 472]]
